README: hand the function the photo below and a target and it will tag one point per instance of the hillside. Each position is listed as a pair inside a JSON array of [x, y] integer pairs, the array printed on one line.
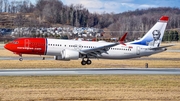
[[47, 13], [140, 18], [140, 21]]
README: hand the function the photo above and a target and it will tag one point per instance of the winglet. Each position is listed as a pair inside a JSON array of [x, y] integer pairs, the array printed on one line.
[[121, 41]]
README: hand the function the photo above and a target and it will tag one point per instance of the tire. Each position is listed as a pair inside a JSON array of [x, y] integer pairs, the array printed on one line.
[[88, 62], [83, 62], [20, 59]]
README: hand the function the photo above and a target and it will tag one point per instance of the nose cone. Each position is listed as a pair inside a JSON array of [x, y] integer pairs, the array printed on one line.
[[7, 46]]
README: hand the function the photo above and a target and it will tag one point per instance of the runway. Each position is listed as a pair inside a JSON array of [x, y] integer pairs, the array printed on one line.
[[52, 58], [83, 71], [1, 46], [25, 58]]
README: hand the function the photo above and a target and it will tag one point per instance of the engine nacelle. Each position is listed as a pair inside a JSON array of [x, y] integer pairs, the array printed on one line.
[[60, 58], [68, 54]]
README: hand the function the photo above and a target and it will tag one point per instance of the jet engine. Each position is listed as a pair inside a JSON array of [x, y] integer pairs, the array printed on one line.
[[68, 54]]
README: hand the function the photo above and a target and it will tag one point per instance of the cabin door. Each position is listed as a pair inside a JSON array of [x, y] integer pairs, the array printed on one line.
[[138, 50], [26, 43]]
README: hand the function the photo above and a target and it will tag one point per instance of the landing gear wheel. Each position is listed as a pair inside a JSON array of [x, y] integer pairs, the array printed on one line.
[[83, 62], [88, 62], [20, 59]]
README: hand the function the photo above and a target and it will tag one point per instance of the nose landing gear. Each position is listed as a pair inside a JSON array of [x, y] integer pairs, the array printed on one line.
[[20, 59]]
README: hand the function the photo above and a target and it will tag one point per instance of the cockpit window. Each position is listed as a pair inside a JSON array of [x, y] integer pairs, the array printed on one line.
[[15, 42]]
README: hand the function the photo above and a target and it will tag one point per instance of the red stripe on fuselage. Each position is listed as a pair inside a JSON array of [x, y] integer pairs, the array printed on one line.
[[28, 46]]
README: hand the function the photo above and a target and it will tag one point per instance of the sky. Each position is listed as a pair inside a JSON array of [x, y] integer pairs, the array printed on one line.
[[119, 6]]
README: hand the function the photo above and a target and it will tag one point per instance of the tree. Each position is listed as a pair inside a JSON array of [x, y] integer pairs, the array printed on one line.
[[176, 36], [1, 6], [26, 7], [64, 37], [170, 37], [6, 5], [20, 20], [71, 14], [165, 37], [49, 10]]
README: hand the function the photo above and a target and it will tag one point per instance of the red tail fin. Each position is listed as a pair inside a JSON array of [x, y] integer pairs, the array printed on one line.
[[121, 41], [164, 18]]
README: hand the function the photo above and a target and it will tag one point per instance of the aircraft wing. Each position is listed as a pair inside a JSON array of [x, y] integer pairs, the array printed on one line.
[[156, 48], [96, 52]]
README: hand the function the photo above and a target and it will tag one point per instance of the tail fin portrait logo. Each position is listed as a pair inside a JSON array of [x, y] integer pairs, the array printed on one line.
[[156, 38]]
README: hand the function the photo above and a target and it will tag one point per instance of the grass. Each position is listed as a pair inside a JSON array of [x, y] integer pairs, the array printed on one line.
[[91, 87], [175, 47]]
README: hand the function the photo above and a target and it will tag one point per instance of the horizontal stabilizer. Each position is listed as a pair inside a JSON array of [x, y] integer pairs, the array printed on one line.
[[161, 47]]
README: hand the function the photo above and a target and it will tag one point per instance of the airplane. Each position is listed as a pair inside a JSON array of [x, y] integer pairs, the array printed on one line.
[[72, 50]]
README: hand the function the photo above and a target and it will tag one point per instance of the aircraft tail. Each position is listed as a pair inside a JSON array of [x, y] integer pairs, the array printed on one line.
[[154, 36]]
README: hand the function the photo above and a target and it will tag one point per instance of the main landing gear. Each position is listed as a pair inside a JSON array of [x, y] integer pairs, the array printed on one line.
[[84, 62]]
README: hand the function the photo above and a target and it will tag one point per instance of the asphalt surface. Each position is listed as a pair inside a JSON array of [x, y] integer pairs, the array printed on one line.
[[25, 58], [1, 46], [103, 71], [52, 58]]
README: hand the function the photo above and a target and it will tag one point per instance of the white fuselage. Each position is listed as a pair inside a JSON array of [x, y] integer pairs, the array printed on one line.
[[55, 46]]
